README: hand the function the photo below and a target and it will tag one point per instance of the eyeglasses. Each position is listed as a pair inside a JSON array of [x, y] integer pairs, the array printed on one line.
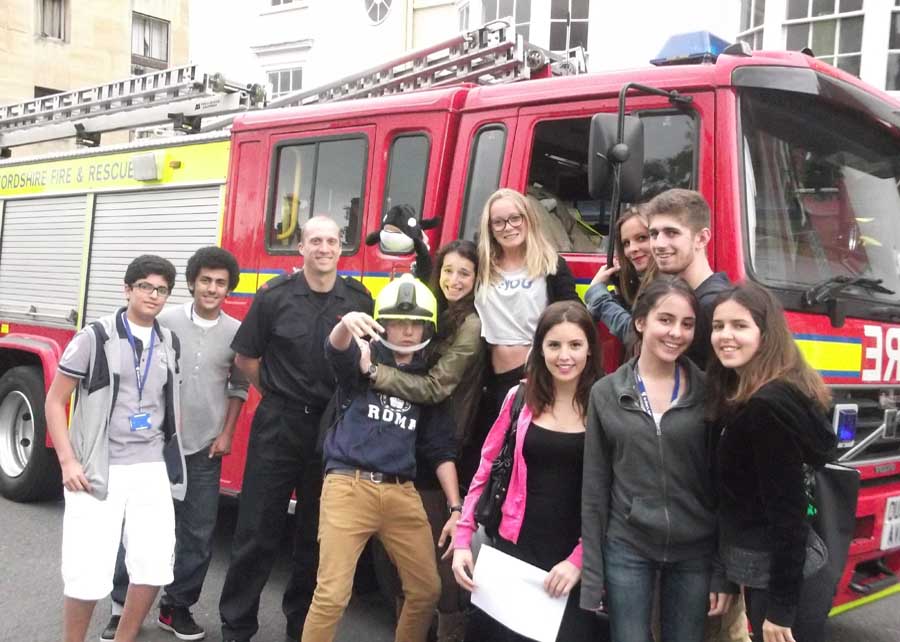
[[514, 221], [148, 289]]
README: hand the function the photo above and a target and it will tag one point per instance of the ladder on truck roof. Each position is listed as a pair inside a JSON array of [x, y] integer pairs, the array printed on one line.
[[182, 94], [490, 54]]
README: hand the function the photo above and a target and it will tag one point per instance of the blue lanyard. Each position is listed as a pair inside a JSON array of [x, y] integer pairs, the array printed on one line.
[[141, 380], [642, 389]]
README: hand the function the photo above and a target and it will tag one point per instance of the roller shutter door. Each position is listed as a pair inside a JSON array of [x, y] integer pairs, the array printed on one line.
[[170, 223], [40, 259]]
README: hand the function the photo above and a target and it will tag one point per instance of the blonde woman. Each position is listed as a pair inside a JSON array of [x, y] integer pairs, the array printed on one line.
[[520, 274]]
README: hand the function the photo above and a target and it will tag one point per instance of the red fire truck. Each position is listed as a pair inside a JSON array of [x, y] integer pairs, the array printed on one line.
[[799, 161]]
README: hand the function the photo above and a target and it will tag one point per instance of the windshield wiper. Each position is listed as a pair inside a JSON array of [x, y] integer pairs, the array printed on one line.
[[825, 291]]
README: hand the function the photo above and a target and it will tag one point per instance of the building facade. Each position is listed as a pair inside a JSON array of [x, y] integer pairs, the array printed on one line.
[[862, 37], [51, 46], [614, 35], [296, 44]]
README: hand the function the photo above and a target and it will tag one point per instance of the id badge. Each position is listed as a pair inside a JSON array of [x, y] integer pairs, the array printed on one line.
[[140, 421]]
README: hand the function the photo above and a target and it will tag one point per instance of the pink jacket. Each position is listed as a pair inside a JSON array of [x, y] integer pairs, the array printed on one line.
[[513, 510]]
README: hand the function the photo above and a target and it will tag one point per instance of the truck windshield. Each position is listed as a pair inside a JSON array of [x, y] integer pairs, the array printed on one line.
[[822, 199]]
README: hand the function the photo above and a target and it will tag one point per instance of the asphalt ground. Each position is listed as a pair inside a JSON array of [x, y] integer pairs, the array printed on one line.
[[31, 591], [31, 586]]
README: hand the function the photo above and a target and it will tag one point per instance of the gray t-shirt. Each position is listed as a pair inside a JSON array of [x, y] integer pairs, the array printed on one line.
[[209, 377], [128, 445]]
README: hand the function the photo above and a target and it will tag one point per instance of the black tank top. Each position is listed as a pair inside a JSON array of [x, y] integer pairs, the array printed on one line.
[[552, 523]]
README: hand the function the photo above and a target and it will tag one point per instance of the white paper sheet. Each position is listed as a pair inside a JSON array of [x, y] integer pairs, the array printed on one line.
[[512, 592]]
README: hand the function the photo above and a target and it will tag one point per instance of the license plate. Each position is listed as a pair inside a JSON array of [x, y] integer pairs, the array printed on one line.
[[890, 534]]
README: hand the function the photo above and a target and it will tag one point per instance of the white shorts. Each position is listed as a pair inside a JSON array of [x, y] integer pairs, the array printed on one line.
[[140, 495]]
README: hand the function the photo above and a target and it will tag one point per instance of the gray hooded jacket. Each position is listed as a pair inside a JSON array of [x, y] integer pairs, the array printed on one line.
[[97, 391], [649, 487]]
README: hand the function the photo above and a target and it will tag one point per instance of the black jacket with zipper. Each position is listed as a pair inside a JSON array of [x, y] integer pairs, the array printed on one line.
[[650, 487]]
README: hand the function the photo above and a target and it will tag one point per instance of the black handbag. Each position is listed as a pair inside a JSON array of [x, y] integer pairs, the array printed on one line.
[[835, 491], [487, 510]]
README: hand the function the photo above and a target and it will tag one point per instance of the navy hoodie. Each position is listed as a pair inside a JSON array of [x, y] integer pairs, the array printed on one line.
[[380, 432]]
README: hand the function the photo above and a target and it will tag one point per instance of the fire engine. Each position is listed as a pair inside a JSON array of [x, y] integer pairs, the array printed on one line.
[[799, 161]]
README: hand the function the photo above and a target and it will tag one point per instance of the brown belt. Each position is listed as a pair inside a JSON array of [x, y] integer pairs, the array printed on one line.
[[378, 478]]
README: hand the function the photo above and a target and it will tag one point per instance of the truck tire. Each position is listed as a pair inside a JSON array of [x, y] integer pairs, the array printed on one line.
[[29, 471]]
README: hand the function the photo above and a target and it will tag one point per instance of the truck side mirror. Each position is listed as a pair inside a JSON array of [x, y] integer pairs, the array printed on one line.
[[604, 150]]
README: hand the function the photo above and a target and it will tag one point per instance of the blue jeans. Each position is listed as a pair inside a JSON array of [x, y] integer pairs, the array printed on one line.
[[630, 585], [195, 522]]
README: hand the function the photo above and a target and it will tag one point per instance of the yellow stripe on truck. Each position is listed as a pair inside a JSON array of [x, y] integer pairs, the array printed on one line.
[[843, 608], [189, 164], [250, 282], [831, 356]]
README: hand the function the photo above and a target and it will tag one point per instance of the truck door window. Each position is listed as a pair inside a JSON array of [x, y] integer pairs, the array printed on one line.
[[322, 177], [821, 189], [407, 167], [557, 175], [484, 176]]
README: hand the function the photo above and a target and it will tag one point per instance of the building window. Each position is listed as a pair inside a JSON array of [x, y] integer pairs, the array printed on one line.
[[278, 3], [753, 15], [520, 10], [378, 10], [832, 29], [53, 19], [892, 83], [568, 24], [463, 13], [149, 41], [285, 82]]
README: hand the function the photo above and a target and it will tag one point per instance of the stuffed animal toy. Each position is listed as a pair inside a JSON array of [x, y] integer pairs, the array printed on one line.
[[402, 233]]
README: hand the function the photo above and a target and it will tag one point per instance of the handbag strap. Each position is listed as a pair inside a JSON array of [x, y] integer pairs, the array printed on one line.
[[518, 404]]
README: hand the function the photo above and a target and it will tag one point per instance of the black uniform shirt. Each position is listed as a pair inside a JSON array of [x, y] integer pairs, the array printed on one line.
[[287, 326]]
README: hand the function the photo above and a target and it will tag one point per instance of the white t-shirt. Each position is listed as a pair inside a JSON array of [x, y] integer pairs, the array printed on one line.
[[509, 309], [199, 321]]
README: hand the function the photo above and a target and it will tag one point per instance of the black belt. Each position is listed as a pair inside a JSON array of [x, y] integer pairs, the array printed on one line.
[[293, 405], [378, 478]]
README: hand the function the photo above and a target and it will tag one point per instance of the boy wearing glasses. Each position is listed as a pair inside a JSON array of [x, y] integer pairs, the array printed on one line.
[[121, 457], [213, 390]]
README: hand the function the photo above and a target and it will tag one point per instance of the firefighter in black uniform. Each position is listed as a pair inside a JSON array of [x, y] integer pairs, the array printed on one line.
[[281, 348]]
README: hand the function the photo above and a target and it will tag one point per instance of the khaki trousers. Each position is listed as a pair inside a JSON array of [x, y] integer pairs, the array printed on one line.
[[731, 626], [352, 511]]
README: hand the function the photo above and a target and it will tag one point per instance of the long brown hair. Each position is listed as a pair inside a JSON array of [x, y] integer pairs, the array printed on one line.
[[452, 315], [540, 391], [650, 297], [540, 256], [777, 358], [630, 282]]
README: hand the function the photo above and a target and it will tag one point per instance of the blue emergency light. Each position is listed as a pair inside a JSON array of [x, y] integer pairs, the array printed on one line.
[[845, 415], [690, 48]]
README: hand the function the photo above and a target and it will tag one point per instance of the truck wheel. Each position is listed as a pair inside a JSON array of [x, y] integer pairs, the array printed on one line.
[[29, 471]]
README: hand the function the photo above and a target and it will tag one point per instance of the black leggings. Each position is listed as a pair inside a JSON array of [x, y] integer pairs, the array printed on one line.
[[816, 595]]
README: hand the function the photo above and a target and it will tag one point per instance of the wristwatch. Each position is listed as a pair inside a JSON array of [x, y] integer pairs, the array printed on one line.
[[372, 371], [455, 509]]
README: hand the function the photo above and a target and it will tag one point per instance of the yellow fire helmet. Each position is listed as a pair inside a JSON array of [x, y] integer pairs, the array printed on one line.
[[406, 298]]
